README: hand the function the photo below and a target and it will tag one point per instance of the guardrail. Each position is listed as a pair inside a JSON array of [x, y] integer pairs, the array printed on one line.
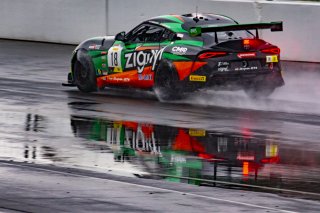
[[71, 21]]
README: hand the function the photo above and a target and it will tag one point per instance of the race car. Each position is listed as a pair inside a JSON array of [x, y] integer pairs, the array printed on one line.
[[178, 54]]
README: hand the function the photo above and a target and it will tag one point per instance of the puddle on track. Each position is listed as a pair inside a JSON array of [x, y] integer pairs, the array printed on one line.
[[186, 155]]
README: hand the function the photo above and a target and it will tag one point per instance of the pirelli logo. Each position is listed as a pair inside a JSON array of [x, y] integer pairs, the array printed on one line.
[[197, 132], [199, 78]]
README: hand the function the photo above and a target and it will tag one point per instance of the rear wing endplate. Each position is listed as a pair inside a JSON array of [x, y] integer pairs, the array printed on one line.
[[273, 26]]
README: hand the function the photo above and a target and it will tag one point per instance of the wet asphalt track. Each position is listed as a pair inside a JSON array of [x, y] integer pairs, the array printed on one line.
[[44, 123]]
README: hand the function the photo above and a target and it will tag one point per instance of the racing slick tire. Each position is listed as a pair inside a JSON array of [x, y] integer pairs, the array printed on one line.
[[166, 83], [84, 73]]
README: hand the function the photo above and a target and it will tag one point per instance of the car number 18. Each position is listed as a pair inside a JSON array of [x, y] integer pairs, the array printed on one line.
[[114, 57]]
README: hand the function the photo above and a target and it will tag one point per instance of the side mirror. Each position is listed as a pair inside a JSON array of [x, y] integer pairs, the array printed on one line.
[[177, 36], [120, 36]]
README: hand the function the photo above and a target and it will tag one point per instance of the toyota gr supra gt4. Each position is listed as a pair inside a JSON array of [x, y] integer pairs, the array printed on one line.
[[178, 54]]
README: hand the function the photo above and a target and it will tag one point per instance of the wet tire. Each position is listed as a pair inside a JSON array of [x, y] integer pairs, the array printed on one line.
[[166, 85], [84, 73]]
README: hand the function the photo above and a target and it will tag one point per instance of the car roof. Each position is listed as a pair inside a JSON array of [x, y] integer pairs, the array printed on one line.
[[183, 23]]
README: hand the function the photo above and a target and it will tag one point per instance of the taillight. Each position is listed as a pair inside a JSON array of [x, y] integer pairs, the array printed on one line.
[[247, 55], [251, 43], [246, 42], [272, 50], [211, 55]]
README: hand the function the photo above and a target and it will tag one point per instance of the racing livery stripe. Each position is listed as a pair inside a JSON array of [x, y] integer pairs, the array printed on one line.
[[129, 78], [140, 48], [189, 42], [174, 57], [185, 68], [179, 17], [176, 27], [174, 18]]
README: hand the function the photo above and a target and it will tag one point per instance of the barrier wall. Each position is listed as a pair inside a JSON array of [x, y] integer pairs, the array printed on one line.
[[71, 21], [300, 39], [134, 12], [61, 21]]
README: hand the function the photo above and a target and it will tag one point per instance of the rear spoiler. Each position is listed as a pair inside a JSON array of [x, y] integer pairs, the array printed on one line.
[[274, 26]]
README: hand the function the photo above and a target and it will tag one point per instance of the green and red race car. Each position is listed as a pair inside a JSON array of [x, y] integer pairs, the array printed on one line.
[[178, 54]]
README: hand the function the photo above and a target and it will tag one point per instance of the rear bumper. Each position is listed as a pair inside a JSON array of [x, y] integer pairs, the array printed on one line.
[[272, 78], [235, 80]]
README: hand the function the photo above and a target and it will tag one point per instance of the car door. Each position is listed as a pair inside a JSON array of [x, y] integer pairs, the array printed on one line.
[[133, 60]]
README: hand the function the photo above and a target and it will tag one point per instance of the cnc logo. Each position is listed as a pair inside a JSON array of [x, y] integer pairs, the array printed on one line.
[[179, 50]]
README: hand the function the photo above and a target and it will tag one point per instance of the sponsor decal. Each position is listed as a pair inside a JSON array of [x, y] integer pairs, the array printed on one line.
[[197, 132], [142, 77], [117, 69], [94, 47], [245, 68], [199, 78], [114, 58], [119, 79], [247, 55], [223, 66], [180, 35], [103, 58], [195, 31], [223, 63], [179, 50], [223, 69], [244, 64], [140, 59], [272, 58]]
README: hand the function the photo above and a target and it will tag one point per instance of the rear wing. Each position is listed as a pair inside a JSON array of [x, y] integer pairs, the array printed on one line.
[[273, 26]]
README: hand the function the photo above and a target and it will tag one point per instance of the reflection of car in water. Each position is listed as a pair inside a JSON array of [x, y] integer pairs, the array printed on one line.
[[177, 152]]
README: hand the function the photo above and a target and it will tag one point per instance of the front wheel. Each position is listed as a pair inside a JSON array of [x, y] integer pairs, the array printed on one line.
[[166, 84], [84, 73]]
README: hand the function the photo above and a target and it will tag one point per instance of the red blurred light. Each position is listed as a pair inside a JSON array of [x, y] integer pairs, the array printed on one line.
[[272, 50], [251, 43], [245, 168], [206, 156], [246, 132], [211, 55], [247, 55], [246, 41], [270, 160]]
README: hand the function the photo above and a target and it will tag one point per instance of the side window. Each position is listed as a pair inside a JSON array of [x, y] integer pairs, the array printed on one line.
[[167, 35], [154, 34], [145, 33]]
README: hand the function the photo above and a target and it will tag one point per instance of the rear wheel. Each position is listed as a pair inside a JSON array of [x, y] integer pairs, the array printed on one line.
[[167, 85], [84, 73]]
